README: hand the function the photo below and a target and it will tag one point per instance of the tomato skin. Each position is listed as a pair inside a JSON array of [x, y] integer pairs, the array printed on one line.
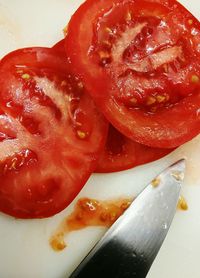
[[168, 127], [60, 47], [121, 153], [53, 134]]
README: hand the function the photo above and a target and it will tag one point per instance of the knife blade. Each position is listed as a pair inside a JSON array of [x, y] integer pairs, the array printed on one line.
[[129, 247]]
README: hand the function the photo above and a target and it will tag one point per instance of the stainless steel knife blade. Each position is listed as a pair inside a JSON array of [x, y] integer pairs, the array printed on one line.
[[130, 246]]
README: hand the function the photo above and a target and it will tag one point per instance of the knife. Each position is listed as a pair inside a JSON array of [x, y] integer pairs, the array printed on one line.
[[129, 247]]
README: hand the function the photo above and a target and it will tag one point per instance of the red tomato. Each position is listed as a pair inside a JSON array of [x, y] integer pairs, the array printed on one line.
[[50, 134], [140, 60], [60, 47], [121, 153]]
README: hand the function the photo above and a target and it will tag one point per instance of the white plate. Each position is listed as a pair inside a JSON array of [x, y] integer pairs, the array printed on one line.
[[24, 247]]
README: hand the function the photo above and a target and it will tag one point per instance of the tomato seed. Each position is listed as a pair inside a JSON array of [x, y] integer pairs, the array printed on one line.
[[133, 100], [182, 204], [190, 21], [160, 98], [57, 242], [195, 79], [107, 29], [104, 55], [63, 83], [125, 205], [150, 100], [113, 216], [26, 76], [80, 85], [128, 16], [81, 134], [155, 182]]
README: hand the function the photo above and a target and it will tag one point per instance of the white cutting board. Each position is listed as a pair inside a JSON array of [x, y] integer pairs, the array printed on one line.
[[24, 247]]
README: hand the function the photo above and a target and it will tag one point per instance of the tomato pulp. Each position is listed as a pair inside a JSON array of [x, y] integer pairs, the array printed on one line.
[[121, 153], [50, 134], [140, 61]]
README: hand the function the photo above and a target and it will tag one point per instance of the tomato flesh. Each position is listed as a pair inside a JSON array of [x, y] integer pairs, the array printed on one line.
[[60, 47], [121, 153], [130, 50], [50, 134], [148, 55]]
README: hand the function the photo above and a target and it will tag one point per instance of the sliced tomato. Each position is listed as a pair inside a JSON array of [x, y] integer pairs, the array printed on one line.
[[121, 153], [140, 60], [50, 134], [60, 47]]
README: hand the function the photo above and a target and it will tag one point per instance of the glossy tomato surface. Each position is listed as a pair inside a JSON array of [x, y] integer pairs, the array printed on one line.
[[60, 47], [140, 60], [121, 153], [50, 134]]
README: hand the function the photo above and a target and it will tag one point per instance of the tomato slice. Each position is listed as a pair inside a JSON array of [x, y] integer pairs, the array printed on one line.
[[50, 134], [121, 153], [60, 47], [140, 60]]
